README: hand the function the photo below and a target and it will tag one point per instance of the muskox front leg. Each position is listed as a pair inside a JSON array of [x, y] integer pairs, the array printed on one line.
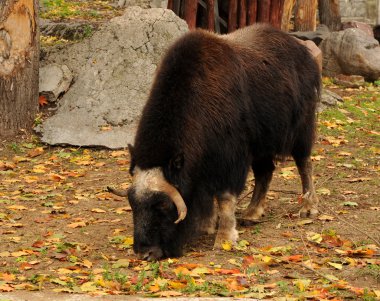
[[309, 197], [227, 221], [263, 171]]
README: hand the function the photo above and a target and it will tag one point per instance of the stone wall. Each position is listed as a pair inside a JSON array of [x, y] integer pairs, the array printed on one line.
[[358, 10]]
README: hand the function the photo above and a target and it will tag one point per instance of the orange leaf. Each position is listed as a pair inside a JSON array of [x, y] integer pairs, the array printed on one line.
[[295, 258], [42, 101], [228, 271], [77, 225]]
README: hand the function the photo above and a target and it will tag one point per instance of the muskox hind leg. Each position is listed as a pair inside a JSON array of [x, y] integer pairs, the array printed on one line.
[[263, 171], [309, 197], [227, 221]]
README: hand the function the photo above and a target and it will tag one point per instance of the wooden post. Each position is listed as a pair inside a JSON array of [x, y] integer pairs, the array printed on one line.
[[276, 7], [287, 14], [210, 15], [19, 54], [263, 11], [252, 12], [329, 14], [305, 17], [191, 7], [170, 4], [243, 13], [232, 15]]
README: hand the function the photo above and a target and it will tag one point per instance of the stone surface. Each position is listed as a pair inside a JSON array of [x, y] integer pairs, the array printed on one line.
[[351, 52], [54, 81], [349, 81], [68, 31], [367, 29], [113, 70], [328, 99], [314, 50], [317, 36]]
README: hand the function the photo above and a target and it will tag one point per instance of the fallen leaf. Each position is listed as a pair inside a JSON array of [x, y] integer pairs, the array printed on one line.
[[77, 225], [350, 204], [169, 294], [325, 217], [35, 152], [98, 210], [338, 266]]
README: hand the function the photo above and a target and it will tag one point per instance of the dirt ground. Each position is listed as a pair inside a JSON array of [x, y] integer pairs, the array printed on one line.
[[61, 231]]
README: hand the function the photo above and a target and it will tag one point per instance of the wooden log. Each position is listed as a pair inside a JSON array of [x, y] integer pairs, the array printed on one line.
[[305, 17], [19, 66], [242, 13], [263, 11], [232, 15], [210, 15], [191, 7], [170, 4], [276, 12], [287, 14], [252, 12], [329, 14]]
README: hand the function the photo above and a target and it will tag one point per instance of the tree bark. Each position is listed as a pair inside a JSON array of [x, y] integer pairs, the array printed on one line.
[[232, 15], [19, 62], [211, 15], [242, 13], [263, 11], [305, 18], [191, 7], [276, 8], [252, 11], [329, 14], [287, 14]]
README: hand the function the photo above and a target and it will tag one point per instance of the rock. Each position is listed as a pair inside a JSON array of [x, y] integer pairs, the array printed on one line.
[[317, 36], [314, 50], [349, 81], [351, 52], [376, 32], [54, 81], [360, 25], [67, 31], [328, 99], [114, 70]]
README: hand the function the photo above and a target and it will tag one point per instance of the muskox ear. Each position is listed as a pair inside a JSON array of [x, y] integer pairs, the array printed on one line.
[[131, 150], [177, 162]]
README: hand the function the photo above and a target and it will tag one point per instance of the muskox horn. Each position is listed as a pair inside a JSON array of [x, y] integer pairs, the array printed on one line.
[[154, 180], [174, 194]]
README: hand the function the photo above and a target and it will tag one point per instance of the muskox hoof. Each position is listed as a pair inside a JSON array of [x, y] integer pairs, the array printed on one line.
[[246, 222], [231, 236], [311, 212]]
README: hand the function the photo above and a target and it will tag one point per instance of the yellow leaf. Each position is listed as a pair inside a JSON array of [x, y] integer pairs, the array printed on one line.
[[338, 266], [169, 294], [227, 245], [87, 263], [302, 284], [5, 254], [314, 237], [17, 207], [98, 210], [19, 253], [39, 168], [76, 225], [176, 285], [88, 287], [325, 217]]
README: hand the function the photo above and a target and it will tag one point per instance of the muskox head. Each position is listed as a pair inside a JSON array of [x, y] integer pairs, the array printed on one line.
[[157, 208]]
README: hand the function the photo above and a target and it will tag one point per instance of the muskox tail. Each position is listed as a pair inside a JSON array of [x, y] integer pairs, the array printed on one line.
[[118, 192]]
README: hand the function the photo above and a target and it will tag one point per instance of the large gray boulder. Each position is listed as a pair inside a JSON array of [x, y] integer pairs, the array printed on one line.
[[351, 52], [114, 70]]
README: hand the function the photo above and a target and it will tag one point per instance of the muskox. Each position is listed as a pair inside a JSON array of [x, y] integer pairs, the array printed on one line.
[[219, 105]]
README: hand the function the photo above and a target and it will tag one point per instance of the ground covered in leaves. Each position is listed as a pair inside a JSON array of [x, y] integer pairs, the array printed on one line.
[[61, 231]]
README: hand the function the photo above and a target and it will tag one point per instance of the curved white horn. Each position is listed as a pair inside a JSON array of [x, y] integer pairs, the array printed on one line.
[[153, 179]]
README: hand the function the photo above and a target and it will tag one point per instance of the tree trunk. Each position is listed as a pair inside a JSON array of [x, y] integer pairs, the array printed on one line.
[[19, 61], [191, 7], [232, 15], [263, 11], [211, 15], [287, 14], [276, 8], [305, 18], [252, 11], [329, 14]]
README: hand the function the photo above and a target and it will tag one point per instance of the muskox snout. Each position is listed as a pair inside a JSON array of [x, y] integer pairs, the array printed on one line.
[[154, 253]]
